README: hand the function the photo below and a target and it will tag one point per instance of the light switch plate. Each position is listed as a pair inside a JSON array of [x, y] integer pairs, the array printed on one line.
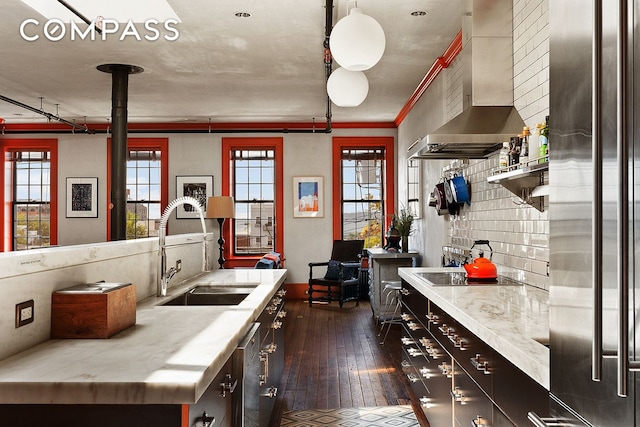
[[24, 313]]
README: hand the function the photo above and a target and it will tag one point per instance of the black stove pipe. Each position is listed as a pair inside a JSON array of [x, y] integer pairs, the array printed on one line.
[[119, 98]]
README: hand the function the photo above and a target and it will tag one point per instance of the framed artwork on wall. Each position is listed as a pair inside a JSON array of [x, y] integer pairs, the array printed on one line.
[[199, 187], [82, 198], [308, 197]]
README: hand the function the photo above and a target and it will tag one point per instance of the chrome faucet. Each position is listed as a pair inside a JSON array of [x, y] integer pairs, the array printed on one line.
[[164, 275]]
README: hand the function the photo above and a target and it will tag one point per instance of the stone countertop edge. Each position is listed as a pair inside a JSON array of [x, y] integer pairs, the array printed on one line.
[[513, 320], [170, 356]]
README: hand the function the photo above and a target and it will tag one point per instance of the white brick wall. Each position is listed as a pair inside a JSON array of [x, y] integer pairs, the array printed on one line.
[[519, 234]]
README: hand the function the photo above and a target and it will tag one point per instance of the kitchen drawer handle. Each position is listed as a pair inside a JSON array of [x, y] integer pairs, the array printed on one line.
[[480, 365], [271, 348], [228, 386], [276, 325], [405, 364], [457, 395], [445, 369], [413, 377], [444, 329], [406, 317], [282, 314], [407, 341], [414, 352], [281, 293], [432, 318], [405, 292], [424, 371], [205, 419], [426, 402], [456, 341], [413, 326], [271, 309], [479, 421], [272, 392]]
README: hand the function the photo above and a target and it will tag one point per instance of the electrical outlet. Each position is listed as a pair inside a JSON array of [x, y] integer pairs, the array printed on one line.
[[178, 265], [24, 313]]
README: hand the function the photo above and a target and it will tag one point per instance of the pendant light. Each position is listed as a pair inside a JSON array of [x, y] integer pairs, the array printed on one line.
[[347, 88], [357, 41]]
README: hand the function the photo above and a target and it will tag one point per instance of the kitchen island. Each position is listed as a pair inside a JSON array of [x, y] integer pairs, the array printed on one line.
[[170, 356]]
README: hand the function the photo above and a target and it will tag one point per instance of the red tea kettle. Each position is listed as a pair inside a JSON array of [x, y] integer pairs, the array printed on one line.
[[482, 268]]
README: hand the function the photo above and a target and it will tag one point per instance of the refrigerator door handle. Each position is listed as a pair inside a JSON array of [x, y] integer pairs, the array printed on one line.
[[623, 200], [596, 157]]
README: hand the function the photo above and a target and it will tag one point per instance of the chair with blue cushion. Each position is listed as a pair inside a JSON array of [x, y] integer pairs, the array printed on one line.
[[340, 280]]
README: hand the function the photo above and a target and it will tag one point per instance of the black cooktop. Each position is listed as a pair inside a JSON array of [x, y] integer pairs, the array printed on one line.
[[460, 279]]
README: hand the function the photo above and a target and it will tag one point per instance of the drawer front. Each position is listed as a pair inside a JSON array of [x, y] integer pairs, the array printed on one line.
[[470, 404], [471, 353], [414, 301]]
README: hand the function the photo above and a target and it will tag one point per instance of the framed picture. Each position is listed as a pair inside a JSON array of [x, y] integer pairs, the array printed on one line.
[[199, 187], [308, 197], [82, 197]]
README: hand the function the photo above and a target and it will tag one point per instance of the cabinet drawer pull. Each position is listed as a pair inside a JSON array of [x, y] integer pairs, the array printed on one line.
[[457, 395], [480, 422], [426, 402], [228, 385], [406, 317], [425, 372], [445, 369], [405, 364], [271, 392], [276, 325], [432, 318], [414, 352], [205, 419], [413, 326], [282, 314], [281, 293], [444, 329], [405, 291], [480, 365], [412, 377], [407, 341]]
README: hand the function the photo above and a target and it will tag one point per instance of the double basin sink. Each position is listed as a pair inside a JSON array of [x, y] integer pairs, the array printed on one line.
[[213, 294]]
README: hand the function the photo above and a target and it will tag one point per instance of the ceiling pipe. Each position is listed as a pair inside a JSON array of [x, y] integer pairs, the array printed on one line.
[[49, 116]]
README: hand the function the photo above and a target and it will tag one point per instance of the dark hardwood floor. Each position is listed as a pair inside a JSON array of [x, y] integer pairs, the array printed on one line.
[[333, 359]]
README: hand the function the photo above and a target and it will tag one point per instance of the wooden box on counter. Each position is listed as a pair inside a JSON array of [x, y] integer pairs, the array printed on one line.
[[93, 310]]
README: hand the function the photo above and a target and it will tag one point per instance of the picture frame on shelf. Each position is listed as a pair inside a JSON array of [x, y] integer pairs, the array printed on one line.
[[199, 187], [308, 197], [82, 197]]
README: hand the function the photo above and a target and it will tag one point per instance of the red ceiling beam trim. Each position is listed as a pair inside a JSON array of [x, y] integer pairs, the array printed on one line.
[[439, 64]]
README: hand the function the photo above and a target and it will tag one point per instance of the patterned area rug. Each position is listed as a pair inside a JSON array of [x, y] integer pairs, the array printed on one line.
[[379, 416]]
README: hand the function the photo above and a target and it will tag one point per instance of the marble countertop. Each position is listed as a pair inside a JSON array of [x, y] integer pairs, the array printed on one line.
[[513, 320], [170, 356]]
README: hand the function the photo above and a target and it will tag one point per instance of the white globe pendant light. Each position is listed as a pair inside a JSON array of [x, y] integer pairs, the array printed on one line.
[[357, 41], [347, 88]]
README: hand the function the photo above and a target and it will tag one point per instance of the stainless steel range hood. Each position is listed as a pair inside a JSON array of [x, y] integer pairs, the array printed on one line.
[[488, 117]]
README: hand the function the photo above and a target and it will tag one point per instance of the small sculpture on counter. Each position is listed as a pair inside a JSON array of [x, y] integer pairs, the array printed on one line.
[[393, 237]]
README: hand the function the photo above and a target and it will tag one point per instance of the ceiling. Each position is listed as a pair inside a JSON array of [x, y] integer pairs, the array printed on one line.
[[268, 67]]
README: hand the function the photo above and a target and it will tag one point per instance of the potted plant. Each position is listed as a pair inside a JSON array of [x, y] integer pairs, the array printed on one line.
[[404, 222]]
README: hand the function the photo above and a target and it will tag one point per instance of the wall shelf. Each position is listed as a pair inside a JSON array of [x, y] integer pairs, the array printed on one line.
[[522, 181]]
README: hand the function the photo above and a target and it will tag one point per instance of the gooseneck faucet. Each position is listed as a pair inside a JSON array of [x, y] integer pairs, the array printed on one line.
[[164, 275]]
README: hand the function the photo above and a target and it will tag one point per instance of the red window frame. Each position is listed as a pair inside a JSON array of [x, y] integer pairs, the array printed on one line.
[[159, 144], [10, 145], [228, 146], [362, 142]]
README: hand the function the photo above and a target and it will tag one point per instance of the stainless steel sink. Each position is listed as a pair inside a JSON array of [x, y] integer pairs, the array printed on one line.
[[213, 295]]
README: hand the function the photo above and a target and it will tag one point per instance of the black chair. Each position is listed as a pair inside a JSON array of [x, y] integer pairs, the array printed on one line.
[[340, 281]]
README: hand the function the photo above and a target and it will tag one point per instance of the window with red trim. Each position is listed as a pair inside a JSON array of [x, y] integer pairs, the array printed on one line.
[[363, 188], [147, 185], [252, 174], [29, 214]]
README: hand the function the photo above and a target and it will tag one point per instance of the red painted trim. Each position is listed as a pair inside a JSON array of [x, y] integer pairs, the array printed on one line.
[[296, 291], [50, 145], [161, 144], [184, 416], [229, 144], [190, 126], [339, 143], [439, 64]]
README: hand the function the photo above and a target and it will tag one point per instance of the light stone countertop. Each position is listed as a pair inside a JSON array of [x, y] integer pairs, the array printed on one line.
[[170, 356], [513, 320]]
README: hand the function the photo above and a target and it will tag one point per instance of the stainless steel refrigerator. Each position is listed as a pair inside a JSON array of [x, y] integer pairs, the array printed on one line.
[[594, 172]]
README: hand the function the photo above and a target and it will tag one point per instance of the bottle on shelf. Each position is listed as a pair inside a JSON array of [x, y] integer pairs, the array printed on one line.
[[503, 158], [524, 146], [543, 140], [514, 152]]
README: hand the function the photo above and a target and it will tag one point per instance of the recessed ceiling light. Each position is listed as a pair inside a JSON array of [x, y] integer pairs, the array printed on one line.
[[418, 13], [242, 14]]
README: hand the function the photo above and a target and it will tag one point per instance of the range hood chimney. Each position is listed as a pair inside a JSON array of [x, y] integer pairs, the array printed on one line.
[[488, 117]]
